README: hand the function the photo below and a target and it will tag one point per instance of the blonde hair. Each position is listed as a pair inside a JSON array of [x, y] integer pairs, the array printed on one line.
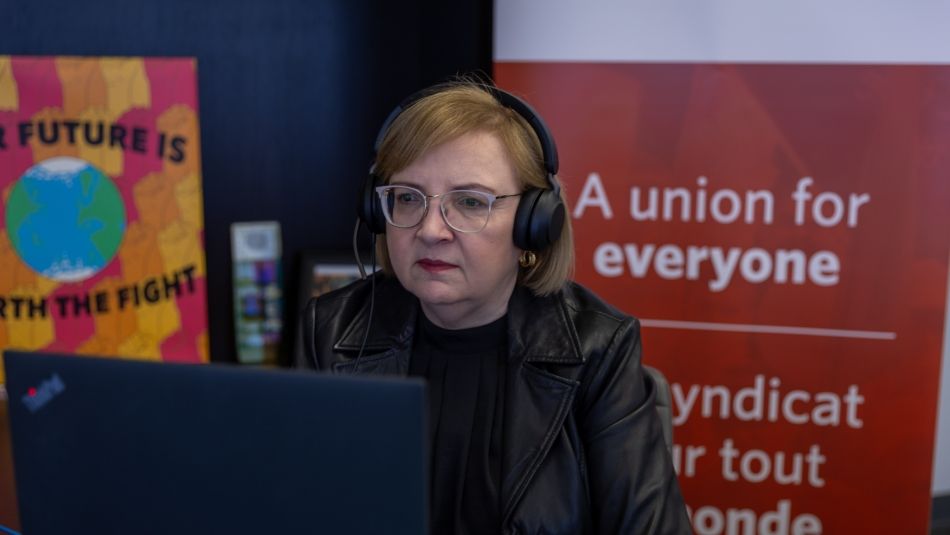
[[463, 107]]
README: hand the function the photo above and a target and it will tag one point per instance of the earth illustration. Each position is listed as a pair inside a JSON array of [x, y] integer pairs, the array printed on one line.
[[65, 219]]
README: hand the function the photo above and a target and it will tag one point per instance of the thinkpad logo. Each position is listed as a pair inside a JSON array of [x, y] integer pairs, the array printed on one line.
[[37, 397]]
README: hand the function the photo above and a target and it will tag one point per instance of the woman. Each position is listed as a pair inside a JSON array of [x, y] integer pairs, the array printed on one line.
[[541, 418]]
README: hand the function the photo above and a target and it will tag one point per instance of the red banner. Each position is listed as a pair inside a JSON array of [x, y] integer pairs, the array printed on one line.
[[782, 232]]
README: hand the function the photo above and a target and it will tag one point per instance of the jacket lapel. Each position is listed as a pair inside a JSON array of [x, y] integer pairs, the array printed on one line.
[[537, 401], [389, 340]]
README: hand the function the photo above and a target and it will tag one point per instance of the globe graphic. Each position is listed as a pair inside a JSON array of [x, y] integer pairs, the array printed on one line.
[[65, 219]]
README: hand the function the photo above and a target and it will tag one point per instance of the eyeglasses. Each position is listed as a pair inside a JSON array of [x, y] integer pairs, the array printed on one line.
[[463, 210]]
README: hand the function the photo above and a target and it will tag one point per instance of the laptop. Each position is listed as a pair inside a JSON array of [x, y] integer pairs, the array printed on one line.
[[116, 446]]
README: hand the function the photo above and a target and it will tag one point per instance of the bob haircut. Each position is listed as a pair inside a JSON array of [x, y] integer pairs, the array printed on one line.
[[463, 107]]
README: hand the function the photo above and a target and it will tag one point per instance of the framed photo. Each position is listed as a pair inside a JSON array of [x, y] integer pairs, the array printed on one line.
[[322, 272]]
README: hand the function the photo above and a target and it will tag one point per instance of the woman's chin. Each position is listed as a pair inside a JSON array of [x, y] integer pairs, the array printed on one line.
[[435, 293]]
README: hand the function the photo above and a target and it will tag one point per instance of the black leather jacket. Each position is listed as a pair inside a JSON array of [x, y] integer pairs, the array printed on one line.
[[583, 451]]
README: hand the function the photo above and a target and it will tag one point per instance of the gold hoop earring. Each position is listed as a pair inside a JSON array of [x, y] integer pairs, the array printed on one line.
[[528, 259]]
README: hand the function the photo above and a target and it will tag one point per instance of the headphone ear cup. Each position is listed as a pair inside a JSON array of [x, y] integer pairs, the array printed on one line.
[[539, 219], [554, 213], [368, 207], [522, 227]]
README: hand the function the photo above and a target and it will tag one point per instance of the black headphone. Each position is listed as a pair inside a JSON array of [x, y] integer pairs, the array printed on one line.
[[541, 213]]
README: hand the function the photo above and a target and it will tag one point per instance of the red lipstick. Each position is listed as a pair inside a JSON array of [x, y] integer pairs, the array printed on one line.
[[435, 266]]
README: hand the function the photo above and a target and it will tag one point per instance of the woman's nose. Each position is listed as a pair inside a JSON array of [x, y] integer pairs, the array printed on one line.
[[433, 226]]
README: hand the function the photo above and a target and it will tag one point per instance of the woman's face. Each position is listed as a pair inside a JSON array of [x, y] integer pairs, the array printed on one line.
[[461, 279]]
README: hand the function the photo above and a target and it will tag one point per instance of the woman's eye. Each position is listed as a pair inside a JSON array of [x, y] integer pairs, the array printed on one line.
[[406, 198], [471, 202]]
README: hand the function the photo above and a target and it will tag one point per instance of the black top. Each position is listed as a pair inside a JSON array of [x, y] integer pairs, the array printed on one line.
[[465, 370]]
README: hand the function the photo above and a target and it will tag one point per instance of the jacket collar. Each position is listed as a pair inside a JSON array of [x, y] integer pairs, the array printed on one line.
[[539, 328], [393, 312]]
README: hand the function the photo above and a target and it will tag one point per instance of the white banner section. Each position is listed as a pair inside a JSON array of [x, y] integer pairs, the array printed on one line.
[[733, 31]]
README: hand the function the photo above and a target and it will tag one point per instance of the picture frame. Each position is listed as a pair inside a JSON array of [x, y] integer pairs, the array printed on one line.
[[322, 271]]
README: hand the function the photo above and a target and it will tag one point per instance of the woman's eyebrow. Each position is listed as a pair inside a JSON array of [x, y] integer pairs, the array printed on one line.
[[409, 183], [463, 186], [474, 186]]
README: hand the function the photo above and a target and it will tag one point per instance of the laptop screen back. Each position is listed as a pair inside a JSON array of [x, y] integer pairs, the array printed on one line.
[[114, 446]]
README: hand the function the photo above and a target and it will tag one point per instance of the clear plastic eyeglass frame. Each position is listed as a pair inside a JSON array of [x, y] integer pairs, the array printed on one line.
[[462, 210]]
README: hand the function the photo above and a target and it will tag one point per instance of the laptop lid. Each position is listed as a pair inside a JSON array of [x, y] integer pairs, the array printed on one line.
[[117, 446]]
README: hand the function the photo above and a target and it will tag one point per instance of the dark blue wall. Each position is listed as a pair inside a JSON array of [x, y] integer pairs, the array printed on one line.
[[291, 93]]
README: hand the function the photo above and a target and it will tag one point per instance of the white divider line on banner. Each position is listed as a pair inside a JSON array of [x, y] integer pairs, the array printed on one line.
[[768, 329]]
